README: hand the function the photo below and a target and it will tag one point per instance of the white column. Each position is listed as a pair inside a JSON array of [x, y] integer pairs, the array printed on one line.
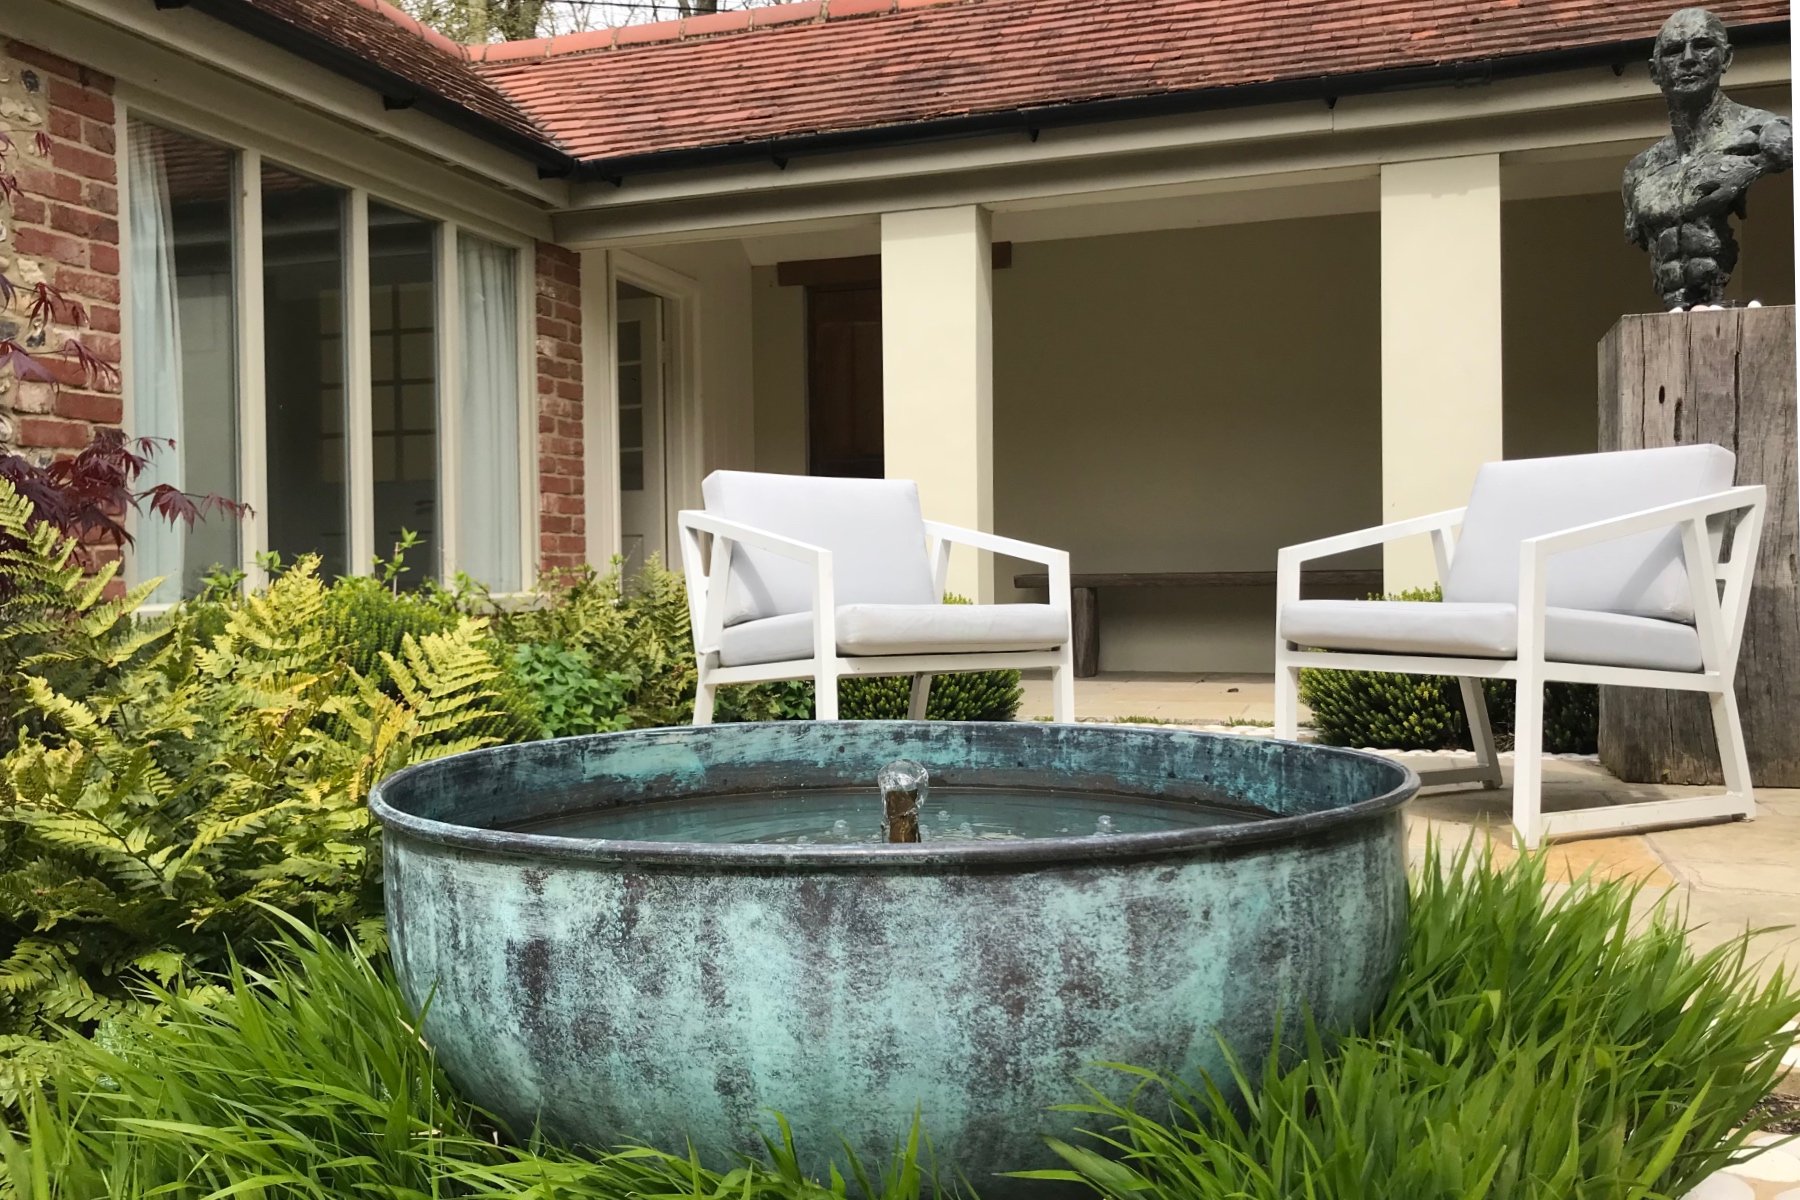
[[1440, 343], [937, 356]]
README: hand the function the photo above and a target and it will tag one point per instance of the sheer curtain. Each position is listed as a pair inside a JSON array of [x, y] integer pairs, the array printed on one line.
[[487, 411], [155, 356]]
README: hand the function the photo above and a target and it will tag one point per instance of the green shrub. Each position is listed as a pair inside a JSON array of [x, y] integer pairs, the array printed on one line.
[[636, 638], [148, 813], [1531, 1049], [569, 695], [308, 1081], [1390, 711]]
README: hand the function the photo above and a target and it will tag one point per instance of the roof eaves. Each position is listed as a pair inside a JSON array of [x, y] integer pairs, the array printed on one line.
[[396, 90], [1033, 119]]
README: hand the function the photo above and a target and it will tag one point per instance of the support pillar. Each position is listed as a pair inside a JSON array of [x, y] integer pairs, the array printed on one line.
[[937, 356], [1440, 343]]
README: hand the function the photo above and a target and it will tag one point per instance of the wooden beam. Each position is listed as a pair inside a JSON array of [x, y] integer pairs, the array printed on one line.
[[1369, 580], [861, 270]]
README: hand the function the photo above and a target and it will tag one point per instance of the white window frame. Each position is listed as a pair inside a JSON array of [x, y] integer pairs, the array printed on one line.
[[684, 457], [248, 157]]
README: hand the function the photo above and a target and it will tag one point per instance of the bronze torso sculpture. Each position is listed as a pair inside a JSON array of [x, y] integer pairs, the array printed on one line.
[[1681, 194]]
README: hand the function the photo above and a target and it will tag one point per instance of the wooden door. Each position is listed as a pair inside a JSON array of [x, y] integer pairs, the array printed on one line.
[[843, 381]]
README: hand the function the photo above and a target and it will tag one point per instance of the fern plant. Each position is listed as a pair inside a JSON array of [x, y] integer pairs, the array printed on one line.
[[183, 779]]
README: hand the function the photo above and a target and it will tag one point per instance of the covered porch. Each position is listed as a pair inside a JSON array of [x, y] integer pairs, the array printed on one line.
[[1166, 364]]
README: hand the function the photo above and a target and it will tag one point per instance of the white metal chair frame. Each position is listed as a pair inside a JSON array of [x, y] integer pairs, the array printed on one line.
[[1718, 619], [706, 587]]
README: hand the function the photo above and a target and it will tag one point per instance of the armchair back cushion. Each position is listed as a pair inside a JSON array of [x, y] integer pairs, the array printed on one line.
[[874, 529], [1642, 575]]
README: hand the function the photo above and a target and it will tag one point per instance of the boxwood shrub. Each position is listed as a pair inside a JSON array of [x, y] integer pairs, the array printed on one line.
[[1388, 711]]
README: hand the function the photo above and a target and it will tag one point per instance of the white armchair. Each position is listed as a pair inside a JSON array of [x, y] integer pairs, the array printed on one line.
[[794, 577], [1594, 568]]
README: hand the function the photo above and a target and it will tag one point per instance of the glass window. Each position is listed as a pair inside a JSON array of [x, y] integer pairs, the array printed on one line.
[[183, 356], [403, 358], [303, 354], [488, 514]]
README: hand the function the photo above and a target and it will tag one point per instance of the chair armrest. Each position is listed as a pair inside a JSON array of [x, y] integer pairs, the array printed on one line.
[[1719, 626], [1057, 561], [1650, 520], [749, 535], [1373, 536], [706, 605], [1029, 551]]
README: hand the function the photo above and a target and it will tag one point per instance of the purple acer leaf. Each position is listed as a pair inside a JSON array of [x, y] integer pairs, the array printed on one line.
[[24, 365], [44, 305], [87, 494], [99, 372], [9, 291], [173, 505], [9, 187], [42, 141]]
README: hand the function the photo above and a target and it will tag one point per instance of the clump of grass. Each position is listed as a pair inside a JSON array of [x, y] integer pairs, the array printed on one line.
[[1531, 1049], [310, 1082]]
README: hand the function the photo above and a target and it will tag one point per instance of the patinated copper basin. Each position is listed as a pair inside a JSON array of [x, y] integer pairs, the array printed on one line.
[[615, 988]]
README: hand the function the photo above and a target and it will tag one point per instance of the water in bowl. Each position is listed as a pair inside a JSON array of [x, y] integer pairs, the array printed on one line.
[[852, 817]]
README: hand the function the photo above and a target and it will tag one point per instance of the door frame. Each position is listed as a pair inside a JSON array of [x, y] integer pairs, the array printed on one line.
[[683, 452]]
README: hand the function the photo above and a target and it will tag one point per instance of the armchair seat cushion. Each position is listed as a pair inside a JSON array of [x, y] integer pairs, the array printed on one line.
[[1479, 630], [865, 630]]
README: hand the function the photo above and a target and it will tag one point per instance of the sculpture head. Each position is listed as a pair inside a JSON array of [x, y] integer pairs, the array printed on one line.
[[1691, 56]]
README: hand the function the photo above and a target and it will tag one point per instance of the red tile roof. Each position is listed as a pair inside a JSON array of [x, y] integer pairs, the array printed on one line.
[[380, 45], [843, 65]]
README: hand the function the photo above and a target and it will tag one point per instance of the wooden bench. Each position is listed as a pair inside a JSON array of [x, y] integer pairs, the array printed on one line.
[[1086, 598]]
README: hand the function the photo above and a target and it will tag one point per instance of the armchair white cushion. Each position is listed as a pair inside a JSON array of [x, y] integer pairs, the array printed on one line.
[[1593, 568], [873, 528], [875, 629], [1468, 630], [821, 578], [1640, 575]]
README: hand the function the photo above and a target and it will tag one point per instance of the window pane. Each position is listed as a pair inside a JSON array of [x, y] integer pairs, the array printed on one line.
[[403, 352], [303, 347], [183, 364], [489, 515]]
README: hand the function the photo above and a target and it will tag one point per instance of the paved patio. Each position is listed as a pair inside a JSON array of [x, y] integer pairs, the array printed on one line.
[[1730, 876]]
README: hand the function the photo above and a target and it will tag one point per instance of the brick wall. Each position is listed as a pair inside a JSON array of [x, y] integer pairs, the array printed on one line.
[[562, 515], [60, 228]]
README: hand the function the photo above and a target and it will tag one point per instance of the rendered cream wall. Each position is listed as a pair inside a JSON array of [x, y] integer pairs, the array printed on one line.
[[1188, 400]]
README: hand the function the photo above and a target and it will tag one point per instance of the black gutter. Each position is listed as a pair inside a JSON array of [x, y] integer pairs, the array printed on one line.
[[1029, 121], [396, 90]]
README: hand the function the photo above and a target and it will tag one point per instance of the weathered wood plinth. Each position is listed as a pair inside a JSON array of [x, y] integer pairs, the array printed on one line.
[[1672, 379]]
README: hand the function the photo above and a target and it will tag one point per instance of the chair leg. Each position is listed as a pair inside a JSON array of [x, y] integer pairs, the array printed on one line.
[[825, 696], [1062, 685], [1734, 755], [705, 692], [1287, 699], [1528, 761], [921, 698], [1481, 732]]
